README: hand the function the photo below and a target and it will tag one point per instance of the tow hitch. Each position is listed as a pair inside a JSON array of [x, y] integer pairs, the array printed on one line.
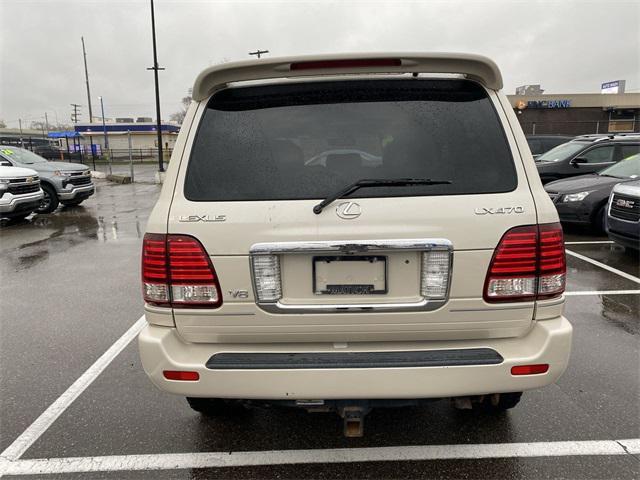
[[353, 416]]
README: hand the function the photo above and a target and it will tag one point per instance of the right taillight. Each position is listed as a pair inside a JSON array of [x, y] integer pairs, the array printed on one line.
[[528, 264], [177, 272]]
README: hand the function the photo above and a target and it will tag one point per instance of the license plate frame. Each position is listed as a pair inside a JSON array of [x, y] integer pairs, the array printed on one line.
[[358, 289]]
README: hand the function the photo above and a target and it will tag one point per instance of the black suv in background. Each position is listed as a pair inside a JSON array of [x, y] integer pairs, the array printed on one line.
[[586, 154], [539, 144]]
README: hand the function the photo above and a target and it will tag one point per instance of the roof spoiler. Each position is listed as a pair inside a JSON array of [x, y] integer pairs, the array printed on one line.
[[475, 67]]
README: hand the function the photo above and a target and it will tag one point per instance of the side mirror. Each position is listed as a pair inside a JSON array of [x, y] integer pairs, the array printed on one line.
[[6, 164], [577, 161]]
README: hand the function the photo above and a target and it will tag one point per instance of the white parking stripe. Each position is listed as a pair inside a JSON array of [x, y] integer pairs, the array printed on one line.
[[602, 292], [335, 455], [594, 242], [46, 419], [602, 265]]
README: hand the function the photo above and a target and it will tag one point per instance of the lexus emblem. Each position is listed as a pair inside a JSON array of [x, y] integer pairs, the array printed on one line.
[[348, 210]]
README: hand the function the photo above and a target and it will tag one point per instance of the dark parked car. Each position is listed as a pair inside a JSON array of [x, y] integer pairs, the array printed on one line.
[[586, 154], [539, 144], [584, 199], [623, 214]]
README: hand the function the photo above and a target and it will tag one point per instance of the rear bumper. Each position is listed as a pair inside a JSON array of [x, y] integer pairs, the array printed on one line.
[[549, 341]]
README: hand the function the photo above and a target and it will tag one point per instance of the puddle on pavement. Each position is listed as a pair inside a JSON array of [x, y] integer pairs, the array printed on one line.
[[61, 231]]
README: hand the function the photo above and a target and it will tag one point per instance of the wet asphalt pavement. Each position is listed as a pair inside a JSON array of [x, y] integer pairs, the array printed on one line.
[[70, 288]]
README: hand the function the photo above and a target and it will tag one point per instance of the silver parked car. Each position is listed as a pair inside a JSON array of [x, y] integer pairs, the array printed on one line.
[[62, 182]]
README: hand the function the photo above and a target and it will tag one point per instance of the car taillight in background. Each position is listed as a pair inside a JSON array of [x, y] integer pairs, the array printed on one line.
[[177, 272], [528, 264]]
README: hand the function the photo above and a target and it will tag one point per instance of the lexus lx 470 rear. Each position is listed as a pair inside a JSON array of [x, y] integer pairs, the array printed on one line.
[[349, 232]]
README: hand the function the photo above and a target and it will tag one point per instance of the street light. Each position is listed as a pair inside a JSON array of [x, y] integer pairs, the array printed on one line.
[[155, 69], [106, 139]]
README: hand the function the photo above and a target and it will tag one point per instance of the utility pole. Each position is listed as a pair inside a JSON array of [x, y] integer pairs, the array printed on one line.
[[75, 114], [155, 69], [86, 76], [46, 121], [21, 140], [259, 52], [106, 138]]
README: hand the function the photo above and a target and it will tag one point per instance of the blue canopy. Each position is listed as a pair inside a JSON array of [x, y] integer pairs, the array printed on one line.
[[68, 134]]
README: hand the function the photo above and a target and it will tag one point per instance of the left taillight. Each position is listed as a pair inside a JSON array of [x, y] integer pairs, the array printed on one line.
[[177, 272]]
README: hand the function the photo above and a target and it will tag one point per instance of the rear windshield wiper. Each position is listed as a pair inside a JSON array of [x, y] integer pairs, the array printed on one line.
[[397, 182]]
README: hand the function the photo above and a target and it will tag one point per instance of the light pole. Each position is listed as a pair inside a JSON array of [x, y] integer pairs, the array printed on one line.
[[86, 77], [155, 69], [106, 139]]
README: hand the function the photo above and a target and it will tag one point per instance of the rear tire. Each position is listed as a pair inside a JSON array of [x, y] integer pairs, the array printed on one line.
[[216, 407], [50, 201]]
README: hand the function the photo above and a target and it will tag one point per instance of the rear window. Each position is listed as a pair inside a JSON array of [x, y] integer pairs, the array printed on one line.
[[307, 140]]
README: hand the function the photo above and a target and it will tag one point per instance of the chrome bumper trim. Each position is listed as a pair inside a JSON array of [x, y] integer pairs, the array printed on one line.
[[75, 191]]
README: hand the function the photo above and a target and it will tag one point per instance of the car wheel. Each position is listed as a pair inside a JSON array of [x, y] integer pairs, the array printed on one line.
[[73, 203], [50, 201], [216, 407], [600, 220]]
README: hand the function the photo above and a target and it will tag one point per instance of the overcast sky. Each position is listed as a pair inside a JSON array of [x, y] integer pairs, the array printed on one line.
[[567, 46]]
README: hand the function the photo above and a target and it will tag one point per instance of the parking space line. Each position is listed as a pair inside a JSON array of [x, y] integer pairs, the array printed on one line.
[[626, 275], [46, 419], [602, 292], [176, 461], [592, 242]]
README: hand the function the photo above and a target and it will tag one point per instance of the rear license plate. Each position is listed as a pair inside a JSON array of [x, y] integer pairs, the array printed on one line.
[[348, 275]]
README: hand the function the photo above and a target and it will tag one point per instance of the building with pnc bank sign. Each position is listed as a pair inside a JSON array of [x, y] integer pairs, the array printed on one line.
[[578, 113]]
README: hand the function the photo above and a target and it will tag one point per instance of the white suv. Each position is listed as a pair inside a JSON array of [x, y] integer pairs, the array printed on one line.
[[347, 232]]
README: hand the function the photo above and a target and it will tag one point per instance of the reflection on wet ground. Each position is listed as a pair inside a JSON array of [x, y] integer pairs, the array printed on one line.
[[118, 215], [622, 311]]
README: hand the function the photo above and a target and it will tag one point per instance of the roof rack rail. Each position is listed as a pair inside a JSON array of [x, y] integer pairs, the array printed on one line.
[[476, 67]]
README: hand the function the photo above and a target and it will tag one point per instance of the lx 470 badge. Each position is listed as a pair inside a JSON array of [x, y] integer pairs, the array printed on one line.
[[498, 211]]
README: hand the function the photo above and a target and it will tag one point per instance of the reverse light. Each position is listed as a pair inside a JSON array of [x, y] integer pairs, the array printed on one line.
[[436, 266], [177, 272], [528, 264], [266, 274], [575, 197]]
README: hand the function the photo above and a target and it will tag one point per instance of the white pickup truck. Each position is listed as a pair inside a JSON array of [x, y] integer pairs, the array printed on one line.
[[20, 192]]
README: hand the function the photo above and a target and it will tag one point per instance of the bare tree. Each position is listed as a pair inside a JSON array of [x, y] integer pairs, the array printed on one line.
[[178, 117], [3, 124]]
